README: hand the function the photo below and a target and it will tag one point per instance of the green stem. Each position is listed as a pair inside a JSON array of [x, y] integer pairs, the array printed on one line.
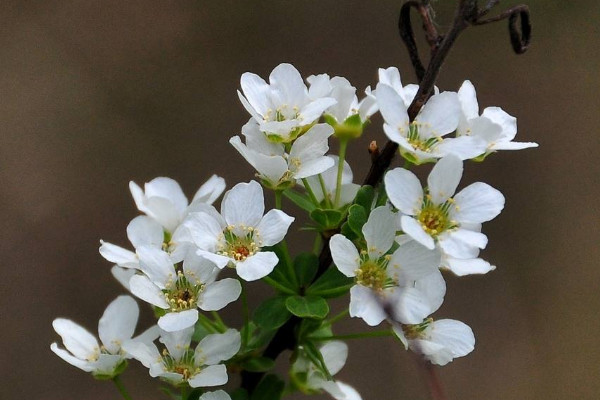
[[207, 323], [310, 192], [184, 392], [219, 322], [407, 164], [278, 199], [317, 244], [325, 192], [245, 313], [338, 185], [278, 286], [354, 336], [121, 387], [336, 318]]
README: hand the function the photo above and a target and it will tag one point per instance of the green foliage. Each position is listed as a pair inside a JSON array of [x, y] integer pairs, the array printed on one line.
[[327, 219], [306, 266], [331, 284], [239, 394], [357, 217], [307, 306], [269, 388], [300, 200], [364, 197], [315, 356], [271, 313], [259, 364]]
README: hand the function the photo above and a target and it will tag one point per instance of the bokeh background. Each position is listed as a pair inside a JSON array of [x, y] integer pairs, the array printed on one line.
[[97, 93]]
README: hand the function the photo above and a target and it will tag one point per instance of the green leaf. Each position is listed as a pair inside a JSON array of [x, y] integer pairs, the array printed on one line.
[[271, 313], [239, 394], [331, 284], [327, 219], [300, 200], [269, 388], [260, 364], [306, 266], [315, 356], [364, 197], [357, 217], [348, 232], [308, 306], [279, 274]]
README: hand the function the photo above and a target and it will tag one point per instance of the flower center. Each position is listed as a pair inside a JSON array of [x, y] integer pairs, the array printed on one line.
[[419, 143], [416, 331], [182, 294], [434, 218], [371, 275], [282, 113], [185, 366], [239, 247]]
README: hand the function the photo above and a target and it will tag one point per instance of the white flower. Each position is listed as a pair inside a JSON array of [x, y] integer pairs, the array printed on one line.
[[436, 215], [438, 341], [313, 380], [115, 328], [282, 107], [345, 94], [277, 168], [181, 293], [496, 127], [329, 177], [178, 363], [381, 278], [163, 199], [422, 140], [236, 236], [391, 77]]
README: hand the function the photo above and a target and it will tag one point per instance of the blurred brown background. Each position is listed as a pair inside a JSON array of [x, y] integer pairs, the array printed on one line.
[[96, 93]]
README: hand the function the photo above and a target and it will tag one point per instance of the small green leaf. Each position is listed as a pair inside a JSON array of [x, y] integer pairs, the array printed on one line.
[[260, 364], [327, 219], [239, 394], [271, 313], [364, 197], [357, 217], [316, 357], [308, 306], [306, 265], [348, 232], [331, 284], [269, 388], [300, 200]]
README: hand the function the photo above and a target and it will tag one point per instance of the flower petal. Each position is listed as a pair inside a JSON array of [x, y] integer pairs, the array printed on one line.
[[478, 202], [468, 100], [218, 294], [344, 254], [176, 321], [413, 261], [142, 287], [470, 266], [257, 266], [118, 323], [118, 255], [81, 343], [157, 265], [365, 304], [244, 204], [439, 116], [210, 190], [412, 228], [392, 108], [213, 375], [145, 231], [273, 227], [218, 347], [379, 231], [444, 178], [178, 342], [68, 357], [334, 354], [256, 91], [404, 190]]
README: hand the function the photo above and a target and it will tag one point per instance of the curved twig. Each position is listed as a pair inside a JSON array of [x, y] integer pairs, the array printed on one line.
[[520, 37]]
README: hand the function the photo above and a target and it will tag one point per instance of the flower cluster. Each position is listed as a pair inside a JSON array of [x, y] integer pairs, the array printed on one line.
[[389, 244]]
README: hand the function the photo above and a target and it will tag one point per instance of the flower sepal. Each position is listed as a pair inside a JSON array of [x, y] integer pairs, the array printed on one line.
[[119, 369], [351, 128]]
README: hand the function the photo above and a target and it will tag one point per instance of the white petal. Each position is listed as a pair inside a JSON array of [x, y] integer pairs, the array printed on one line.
[[444, 178], [218, 294], [505, 120], [345, 255], [334, 354], [433, 286], [288, 83], [165, 212], [244, 204], [258, 141], [204, 229], [217, 395], [148, 336], [199, 270], [271, 168], [76, 339], [478, 202], [142, 287], [210, 190], [412, 228], [513, 145], [468, 267], [461, 243], [143, 230], [313, 143], [379, 231], [118, 255], [213, 375], [122, 275], [413, 261], [220, 261], [107, 363], [118, 323], [391, 77], [409, 305], [256, 91], [176, 321], [146, 353], [313, 167], [463, 147], [365, 304], [157, 265], [215, 348], [404, 190], [392, 107], [313, 110], [439, 116], [68, 357], [348, 392], [177, 342], [453, 335], [169, 189], [468, 100], [273, 227], [257, 266]]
